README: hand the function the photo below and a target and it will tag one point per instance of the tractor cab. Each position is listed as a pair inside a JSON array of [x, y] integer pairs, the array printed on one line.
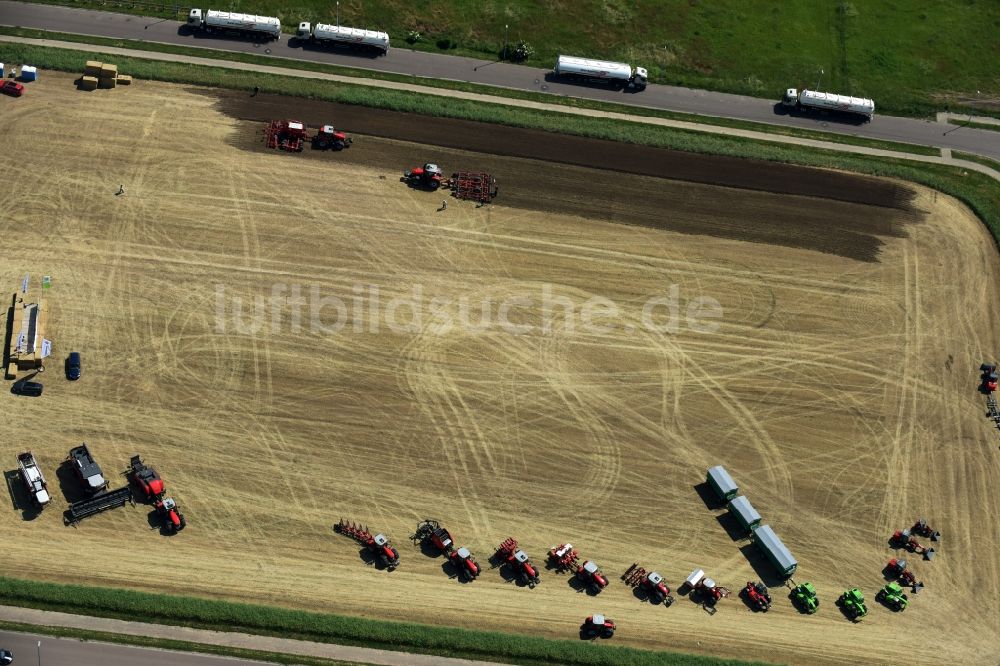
[[590, 568], [654, 579], [597, 619], [380, 540], [463, 553], [521, 556], [169, 504]]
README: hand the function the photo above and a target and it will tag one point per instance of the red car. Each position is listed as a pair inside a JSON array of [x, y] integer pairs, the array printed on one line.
[[12, 88]]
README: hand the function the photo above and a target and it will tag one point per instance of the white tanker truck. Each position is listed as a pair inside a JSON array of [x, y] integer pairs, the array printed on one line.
[[211, 21], [334, 35], [810, 99], [615, 73]]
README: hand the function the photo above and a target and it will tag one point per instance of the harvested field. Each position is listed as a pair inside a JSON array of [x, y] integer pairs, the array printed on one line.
[[839, 388]]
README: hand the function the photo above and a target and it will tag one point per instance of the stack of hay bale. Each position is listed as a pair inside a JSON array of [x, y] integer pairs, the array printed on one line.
[[102, 75]]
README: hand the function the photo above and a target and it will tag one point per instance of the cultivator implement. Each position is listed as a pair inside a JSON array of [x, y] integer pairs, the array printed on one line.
[[354, 531], [288, 135], [473, 186], [563, 557], [633, 575]]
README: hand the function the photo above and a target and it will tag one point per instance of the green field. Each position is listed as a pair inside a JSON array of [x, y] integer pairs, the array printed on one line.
[[912, 57]]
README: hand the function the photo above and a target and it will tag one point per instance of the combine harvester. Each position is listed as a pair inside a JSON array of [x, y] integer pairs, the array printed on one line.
[[650, 585], [516, 560], [34, 480], [821, 101], [153, 491], [92, 479], [323, 34], [245, 25], [710, 593], [377, 547]]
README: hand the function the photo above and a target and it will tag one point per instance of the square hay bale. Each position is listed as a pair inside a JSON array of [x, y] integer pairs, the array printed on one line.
[[106, 83], [124, 80], [109, 71], [88, 83], [93, 68]]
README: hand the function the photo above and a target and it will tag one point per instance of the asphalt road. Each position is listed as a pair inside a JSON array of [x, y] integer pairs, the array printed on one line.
[[404, 61], [73, 652]]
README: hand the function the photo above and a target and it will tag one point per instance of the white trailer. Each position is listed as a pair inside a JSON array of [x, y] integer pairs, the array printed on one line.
[[245, 24], [615, 73], [323, 33], [810, 99]]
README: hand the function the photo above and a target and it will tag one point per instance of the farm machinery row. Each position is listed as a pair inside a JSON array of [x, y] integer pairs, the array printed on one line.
[[95, 497]]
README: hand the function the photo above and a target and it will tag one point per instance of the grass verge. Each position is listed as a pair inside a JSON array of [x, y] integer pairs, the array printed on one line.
[[177, 646], [993, 164], [964, 123], [903, 54], [572, 102], [328, 628]]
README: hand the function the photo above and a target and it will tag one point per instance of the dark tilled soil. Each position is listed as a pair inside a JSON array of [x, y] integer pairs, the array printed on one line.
[[748, 200]]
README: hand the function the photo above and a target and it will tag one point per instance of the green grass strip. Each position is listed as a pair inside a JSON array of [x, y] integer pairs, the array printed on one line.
[[329, 628], [993, 164], [573, 102], [993, 127], [177, 646]]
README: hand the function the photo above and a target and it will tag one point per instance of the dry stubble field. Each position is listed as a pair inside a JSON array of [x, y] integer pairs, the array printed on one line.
[[839, 391]]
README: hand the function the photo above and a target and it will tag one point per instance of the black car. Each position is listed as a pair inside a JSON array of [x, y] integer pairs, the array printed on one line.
[[6, 657], [24, 387], [73, 368]]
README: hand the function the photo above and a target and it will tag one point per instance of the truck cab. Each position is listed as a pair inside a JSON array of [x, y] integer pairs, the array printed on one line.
[[791, 97], [304, 31], [195, 19], [640, 77]]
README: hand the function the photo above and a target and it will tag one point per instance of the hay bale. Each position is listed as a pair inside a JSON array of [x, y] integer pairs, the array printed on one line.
[[88, 83], [124, 80], [93, 68], [109, 71], [106, 83]]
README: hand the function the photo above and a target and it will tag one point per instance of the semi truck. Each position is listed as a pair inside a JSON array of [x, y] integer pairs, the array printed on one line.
[[810, 99], [212, 21], [339, 35], [614, 73]]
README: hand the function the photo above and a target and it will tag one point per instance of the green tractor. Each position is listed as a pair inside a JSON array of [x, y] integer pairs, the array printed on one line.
[[892, 595], [853, 604], [804, 596]]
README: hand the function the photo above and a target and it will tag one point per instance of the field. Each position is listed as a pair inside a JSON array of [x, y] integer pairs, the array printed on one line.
[[913, 57], [838, 388]]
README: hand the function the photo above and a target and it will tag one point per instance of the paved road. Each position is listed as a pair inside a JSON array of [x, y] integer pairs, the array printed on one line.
[[404, 61], [108, 655], [73, 652]]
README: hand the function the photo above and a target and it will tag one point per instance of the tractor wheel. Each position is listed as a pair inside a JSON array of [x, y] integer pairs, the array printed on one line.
[[607, 633], [321, 144], [338, 145]]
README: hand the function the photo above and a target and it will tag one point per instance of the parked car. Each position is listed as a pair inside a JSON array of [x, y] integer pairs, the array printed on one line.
[[6, 657], [14, 89], [24, 387], [73, 367]]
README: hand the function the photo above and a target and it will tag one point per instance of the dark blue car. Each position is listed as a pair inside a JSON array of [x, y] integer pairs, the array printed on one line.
[[73, 369]]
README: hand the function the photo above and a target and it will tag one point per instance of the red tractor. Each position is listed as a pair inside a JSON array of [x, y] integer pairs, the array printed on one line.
[[597, 625], [466, 565], [896, 568], [902, 539], [430, 533], [377, 547], [923, 529], [988, 378], [709, 592], [288, 135], [329, 138], [590, 575], [151, 488], [650, 584], [428, 177], [757, 596], [170, 517], [563, 557], [508, 554]]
